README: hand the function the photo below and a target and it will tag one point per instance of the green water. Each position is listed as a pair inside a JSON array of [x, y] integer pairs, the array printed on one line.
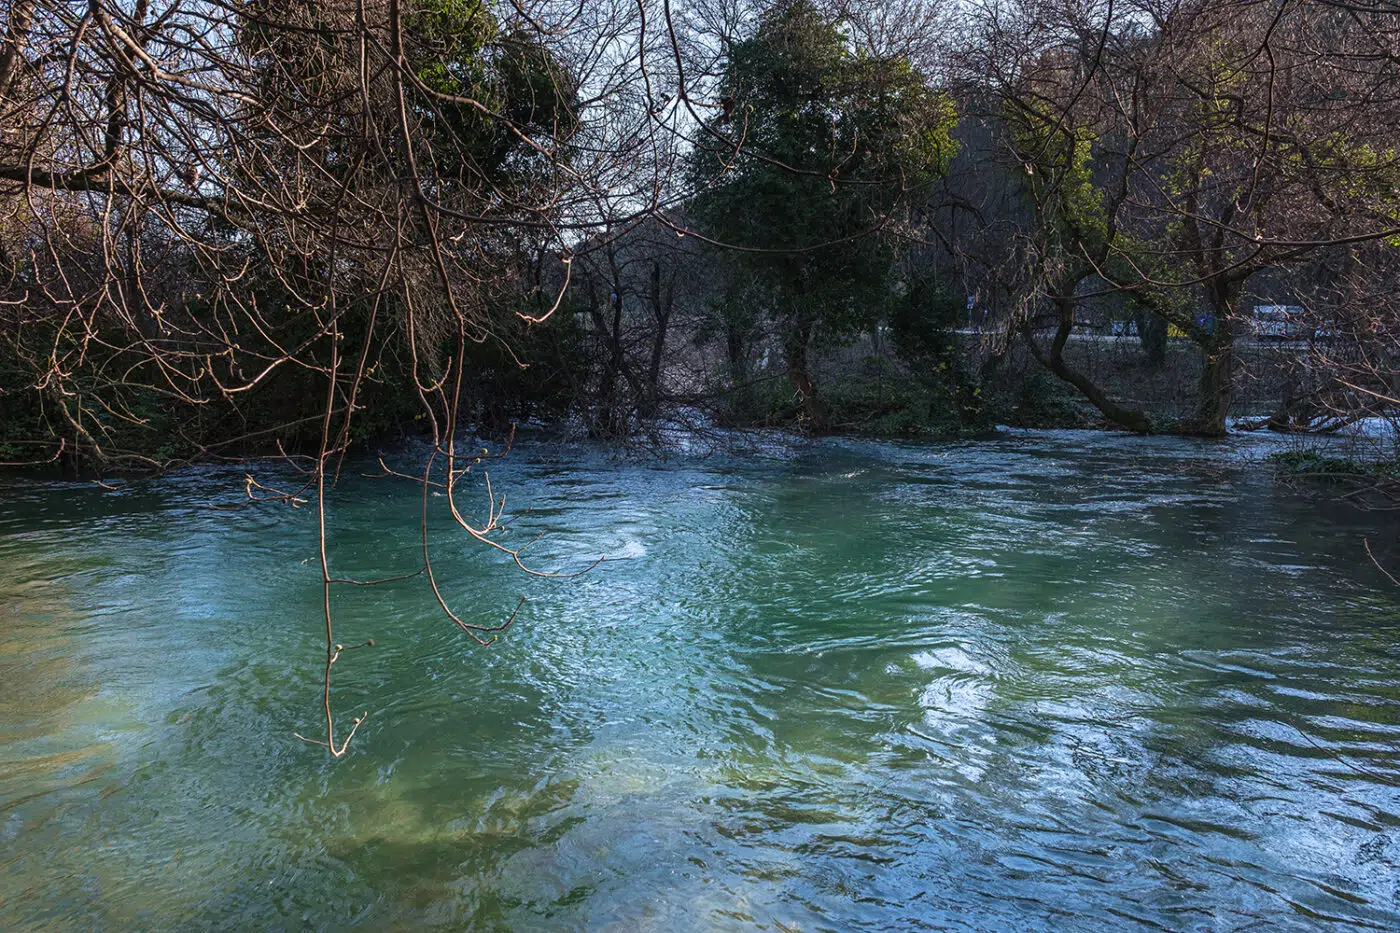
[[1049, 682]]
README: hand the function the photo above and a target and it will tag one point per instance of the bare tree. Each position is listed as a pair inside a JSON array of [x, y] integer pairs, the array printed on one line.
[[1187, 146], [211, 208]]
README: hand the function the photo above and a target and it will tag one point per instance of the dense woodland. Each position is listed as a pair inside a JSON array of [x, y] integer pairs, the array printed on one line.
[[231, 229]]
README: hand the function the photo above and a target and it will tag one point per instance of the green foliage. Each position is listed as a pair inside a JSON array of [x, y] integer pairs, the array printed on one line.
[[1033, 399], [1366, 176], [527, 371], [1178, 307], [922, 323], [878, 396], [830, 141], [22, 416], [878, 399], [499, 101], [451, 39], [1314, 464], [1058, 157]]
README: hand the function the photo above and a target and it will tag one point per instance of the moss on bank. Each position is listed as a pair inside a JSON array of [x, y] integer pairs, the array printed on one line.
[[1314, 465]]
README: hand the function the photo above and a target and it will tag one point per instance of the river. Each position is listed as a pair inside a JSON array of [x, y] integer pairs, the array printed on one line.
[[1052, 681]]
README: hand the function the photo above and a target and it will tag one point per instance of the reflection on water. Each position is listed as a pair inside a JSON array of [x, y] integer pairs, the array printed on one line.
[[1053, 682]]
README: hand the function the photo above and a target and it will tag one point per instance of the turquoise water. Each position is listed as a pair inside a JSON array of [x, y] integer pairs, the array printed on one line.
[[1050, 682]]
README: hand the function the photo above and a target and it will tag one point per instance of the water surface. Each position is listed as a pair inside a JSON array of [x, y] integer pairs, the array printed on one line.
[[1049, 682]]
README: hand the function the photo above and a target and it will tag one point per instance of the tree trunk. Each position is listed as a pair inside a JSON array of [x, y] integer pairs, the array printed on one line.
[[1131, 418], [814, 410], [15, 45], [1216, 386], [616, 420], [1152, 333], [737, 351], [741, 406], [606, 416], [661, 304]]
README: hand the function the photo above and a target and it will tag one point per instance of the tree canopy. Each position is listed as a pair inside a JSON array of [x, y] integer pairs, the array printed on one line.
[[819, 149]]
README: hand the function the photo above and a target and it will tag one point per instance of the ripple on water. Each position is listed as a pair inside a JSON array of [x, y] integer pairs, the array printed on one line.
[[1048, 682]]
